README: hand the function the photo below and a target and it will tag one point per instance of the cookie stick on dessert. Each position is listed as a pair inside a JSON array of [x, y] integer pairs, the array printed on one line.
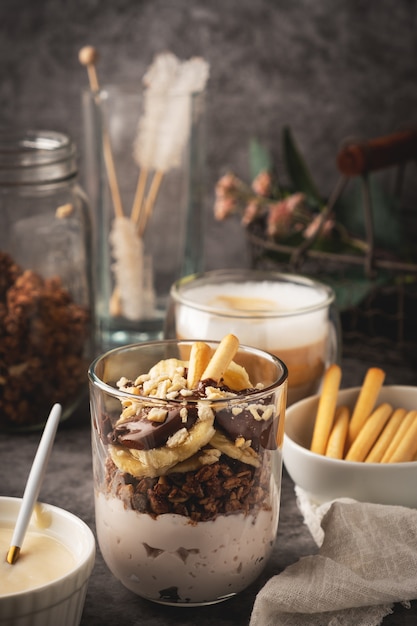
[[221, 359], [199, 358], [326, 409]]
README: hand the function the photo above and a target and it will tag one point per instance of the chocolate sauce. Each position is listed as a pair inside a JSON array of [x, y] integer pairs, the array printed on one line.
[[141, 433], [259, 432]]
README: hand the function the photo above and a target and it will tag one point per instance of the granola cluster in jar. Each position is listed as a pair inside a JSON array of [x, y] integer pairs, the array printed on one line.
[[43, 338]]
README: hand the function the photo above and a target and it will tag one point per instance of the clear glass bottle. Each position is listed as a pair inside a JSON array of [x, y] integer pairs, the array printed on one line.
[[45, 279]]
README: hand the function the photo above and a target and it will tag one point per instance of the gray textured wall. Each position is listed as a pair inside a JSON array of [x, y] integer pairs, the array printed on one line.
[[329, 68]]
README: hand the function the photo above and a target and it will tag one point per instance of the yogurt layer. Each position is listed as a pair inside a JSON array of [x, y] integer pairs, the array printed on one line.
[[207, 560]]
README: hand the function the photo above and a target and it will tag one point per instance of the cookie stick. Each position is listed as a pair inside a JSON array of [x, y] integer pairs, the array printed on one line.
[[199, 358], [369, 433], [365, 403], [326, 409], [221, 359], [337, 439], [395, 442], [385, 438], [406, 445]]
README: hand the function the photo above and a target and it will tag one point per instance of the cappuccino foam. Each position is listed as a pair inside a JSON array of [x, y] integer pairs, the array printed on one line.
[[263, 314], [283, 318]]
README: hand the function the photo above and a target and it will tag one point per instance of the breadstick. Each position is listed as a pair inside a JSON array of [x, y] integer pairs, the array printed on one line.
[[384, 439], [199, 357], [399, 435], [369, 433], [326, 409], [365, 403], [337, 439], [221, 359], [408, 445]]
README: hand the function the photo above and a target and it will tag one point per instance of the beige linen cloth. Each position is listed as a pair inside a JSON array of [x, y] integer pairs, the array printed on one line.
[[367, 560]]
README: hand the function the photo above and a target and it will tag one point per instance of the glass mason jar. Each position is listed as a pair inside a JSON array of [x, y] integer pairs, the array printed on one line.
[[45, 284], [187, 506]]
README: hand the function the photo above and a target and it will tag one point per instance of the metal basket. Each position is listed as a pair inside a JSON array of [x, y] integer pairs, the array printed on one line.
[[384, 318]]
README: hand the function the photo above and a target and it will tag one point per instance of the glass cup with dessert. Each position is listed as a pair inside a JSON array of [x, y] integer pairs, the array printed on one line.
[[187, 442], [292, 316]]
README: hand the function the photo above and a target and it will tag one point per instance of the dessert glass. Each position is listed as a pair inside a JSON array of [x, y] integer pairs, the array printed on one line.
[[292, 316], [203, 534]]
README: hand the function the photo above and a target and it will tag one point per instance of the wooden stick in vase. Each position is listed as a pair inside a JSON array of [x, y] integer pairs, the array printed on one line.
[[150, 202], [88, 57]]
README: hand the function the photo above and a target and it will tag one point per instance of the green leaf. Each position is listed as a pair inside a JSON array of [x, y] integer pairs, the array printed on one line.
[[297, 169], [388, 228], [352, 287], [260, 159]]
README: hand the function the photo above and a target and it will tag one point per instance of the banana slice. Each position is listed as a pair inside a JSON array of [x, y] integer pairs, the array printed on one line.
[[207, 456], [159, 461], [246, 455], [236, 377]]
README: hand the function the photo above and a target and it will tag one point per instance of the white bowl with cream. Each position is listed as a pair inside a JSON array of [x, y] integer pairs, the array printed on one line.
[[325, 479], [47, 584], [291, 316]]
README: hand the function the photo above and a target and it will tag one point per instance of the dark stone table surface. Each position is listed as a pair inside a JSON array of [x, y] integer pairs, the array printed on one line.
[[69, 484]]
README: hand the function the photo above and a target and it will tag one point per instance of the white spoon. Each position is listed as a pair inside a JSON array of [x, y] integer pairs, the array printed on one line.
[[34, 482]]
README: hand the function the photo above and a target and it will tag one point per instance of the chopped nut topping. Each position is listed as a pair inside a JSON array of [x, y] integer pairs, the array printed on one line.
[[177, 438], [157, 414], [205, 412], [260, 412], [213, 393]]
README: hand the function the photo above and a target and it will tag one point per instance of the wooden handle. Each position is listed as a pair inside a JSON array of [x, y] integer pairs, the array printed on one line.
[[355, 159]]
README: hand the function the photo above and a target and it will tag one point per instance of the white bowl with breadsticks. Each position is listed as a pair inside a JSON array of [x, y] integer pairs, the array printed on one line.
[[359, 443]]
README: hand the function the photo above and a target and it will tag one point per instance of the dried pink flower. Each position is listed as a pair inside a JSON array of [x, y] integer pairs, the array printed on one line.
[[295, 202], [284, 214], [226, 196], [227, 184], [262, 184], [279, 219], [251, 212], [314, 225]]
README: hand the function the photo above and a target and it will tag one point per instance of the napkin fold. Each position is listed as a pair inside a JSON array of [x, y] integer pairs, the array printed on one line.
[[367, 561]]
